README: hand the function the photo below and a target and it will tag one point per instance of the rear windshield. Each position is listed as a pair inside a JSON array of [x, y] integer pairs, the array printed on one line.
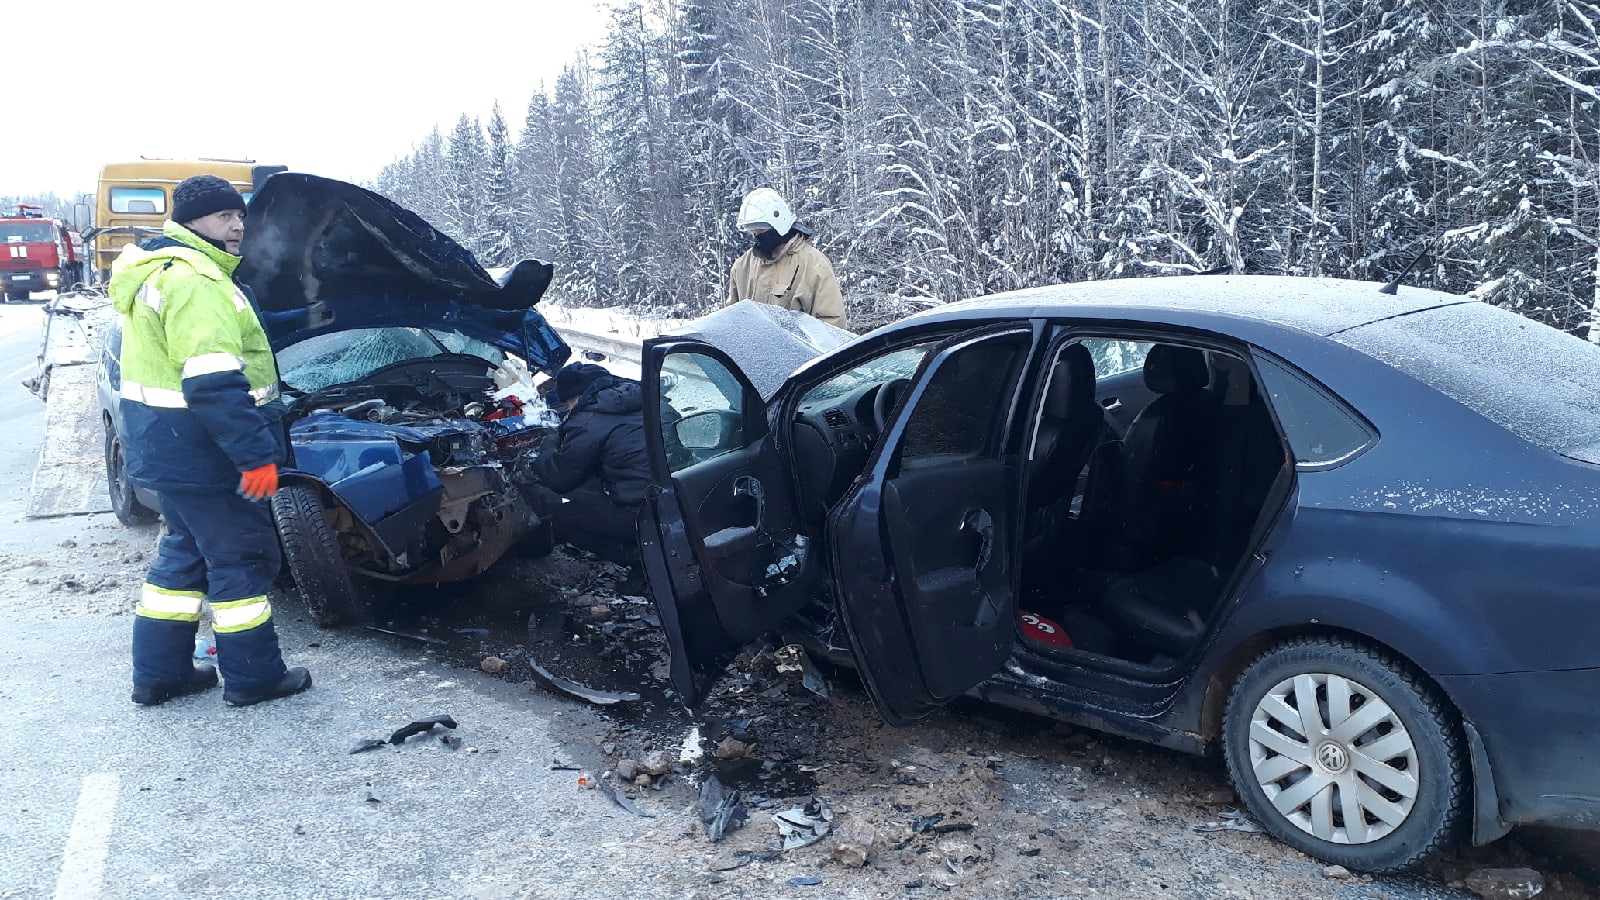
[[1541, 384], [26, 232]]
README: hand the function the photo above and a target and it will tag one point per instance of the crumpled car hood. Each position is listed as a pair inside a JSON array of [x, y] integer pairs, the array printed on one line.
[[323, 255], [768, 343]]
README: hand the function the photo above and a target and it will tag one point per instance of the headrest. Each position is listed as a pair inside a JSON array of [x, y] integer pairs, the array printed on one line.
[[1170, 369], [1071, 382]]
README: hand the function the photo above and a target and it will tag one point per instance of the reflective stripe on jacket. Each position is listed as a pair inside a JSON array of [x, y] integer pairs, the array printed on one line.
[[799, 278], [196, 367]]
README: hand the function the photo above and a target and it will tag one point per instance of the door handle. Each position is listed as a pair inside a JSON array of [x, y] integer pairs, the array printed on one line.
[[750, 486], [980, 522]]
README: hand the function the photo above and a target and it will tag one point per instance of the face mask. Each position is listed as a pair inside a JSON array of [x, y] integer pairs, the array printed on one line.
[[769, 241]]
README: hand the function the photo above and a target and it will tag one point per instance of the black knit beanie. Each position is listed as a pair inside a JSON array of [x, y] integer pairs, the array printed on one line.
[[203, 195]]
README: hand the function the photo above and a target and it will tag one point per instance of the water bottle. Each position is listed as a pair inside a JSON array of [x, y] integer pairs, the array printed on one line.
[[205, 649]]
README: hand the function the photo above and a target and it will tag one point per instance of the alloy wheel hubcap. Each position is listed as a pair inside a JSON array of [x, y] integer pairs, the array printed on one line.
[[1333, 758]]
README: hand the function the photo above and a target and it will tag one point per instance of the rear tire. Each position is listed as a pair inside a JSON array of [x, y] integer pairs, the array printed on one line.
[[311, 550], [1376, 783], [124, 504]]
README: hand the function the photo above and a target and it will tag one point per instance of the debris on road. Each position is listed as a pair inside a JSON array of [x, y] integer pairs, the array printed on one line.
[[621, 799], [856, 842], [494, 665], [368, 744], [419, 727], [720, 809], [655, 763], [555, 682], [731, 748], [426, 639], [1505, 884], [1336, 872], [804, 826], [804, 881], [792, 660], [1231, 820]]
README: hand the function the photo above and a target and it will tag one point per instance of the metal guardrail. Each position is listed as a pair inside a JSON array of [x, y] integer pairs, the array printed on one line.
[[609, 346]]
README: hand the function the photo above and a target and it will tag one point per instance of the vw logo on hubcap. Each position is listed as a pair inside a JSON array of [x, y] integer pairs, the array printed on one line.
[[1331, 755]]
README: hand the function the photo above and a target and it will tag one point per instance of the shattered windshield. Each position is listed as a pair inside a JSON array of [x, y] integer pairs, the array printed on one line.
[[344, 356]]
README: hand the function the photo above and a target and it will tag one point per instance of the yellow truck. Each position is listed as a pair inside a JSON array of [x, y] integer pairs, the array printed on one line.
[[134, 198]]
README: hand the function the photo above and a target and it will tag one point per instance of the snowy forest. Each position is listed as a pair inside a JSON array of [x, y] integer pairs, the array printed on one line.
[[942, 149]]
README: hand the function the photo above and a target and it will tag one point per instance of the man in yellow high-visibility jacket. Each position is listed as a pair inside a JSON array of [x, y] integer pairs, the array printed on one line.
[[201, 429]]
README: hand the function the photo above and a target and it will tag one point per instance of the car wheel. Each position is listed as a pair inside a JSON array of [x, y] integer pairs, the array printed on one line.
[[124, 505], [311, 549], [1346, 754]]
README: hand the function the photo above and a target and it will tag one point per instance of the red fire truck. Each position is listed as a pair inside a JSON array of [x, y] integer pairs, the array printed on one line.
[[37, 254]]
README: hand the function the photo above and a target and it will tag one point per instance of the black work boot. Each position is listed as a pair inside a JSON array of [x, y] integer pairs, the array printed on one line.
[[203, 678], [293, 681]]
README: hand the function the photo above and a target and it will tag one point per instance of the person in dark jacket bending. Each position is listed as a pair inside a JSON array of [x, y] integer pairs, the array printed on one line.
[[597, 461]]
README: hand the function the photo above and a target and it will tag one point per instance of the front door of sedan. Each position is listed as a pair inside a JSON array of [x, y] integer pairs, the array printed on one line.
[[719, 536], [923, 547]]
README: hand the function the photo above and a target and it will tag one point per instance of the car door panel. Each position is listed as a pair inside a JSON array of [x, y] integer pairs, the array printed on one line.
[[719, 534], [922, 547]]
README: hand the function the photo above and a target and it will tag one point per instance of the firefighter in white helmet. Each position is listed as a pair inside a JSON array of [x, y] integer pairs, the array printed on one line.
[[783, 268]]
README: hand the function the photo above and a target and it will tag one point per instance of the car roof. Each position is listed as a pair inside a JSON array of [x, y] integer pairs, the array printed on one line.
[[1322, 306]]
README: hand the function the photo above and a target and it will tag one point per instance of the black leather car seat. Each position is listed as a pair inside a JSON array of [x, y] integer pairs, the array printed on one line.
[[1165, 468], [1071, 424]]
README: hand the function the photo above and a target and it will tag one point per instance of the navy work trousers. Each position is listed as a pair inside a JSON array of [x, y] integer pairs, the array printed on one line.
[[222, 549]]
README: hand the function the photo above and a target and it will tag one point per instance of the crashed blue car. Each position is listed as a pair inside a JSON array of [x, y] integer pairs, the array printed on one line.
[[407, 379]]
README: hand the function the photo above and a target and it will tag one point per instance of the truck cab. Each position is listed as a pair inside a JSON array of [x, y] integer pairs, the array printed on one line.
[[39, 254]]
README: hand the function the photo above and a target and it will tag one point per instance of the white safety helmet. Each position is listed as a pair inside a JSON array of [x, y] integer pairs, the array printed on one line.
[[765, 206]]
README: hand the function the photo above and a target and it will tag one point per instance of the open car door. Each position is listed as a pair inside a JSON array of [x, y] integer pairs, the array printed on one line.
[[922, 548], [719, 535]]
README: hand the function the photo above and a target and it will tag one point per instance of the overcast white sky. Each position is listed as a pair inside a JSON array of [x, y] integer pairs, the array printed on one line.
[[338, 87]]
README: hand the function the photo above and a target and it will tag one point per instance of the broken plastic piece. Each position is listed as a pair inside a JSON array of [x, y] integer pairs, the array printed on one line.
[[926, 822], [804, 881], [603, 698], [620, 798], [804, 826], [720, 809], [420, 726], [368, 744]]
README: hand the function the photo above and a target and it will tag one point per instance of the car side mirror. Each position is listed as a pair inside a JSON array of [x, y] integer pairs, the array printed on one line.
[[712, 429]]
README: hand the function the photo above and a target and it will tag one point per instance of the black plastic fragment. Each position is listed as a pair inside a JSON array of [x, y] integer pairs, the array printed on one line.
[[368, 744], [720, 809], [420, 726]]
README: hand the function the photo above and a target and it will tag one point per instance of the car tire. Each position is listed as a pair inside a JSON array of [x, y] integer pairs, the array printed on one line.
[[124, 504], [311, 551], [1408, 798]]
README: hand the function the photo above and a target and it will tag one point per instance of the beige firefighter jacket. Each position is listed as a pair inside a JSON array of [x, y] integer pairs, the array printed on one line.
[[799, 278]]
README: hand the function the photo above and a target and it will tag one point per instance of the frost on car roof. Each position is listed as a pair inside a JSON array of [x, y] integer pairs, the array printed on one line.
[[1317, 305], [1537, 382], [766, 342]]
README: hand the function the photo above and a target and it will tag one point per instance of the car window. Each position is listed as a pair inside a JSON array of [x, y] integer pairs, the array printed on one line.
[[1113, 357], [702, 412], [900, 363], [961, 412], [138, 200], [26, 232], [1320, 428], [345, 356]]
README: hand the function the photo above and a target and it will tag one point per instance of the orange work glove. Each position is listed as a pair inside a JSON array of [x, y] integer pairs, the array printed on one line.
[[259, 483]]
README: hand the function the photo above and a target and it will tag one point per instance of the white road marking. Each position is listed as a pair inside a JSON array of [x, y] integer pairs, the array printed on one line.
[[22, 371], [83, 862]]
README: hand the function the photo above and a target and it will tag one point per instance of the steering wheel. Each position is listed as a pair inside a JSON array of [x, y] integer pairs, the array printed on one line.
[[888, 397]]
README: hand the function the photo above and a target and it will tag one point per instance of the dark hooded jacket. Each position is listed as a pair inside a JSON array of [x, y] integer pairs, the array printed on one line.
[[601, 439]]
